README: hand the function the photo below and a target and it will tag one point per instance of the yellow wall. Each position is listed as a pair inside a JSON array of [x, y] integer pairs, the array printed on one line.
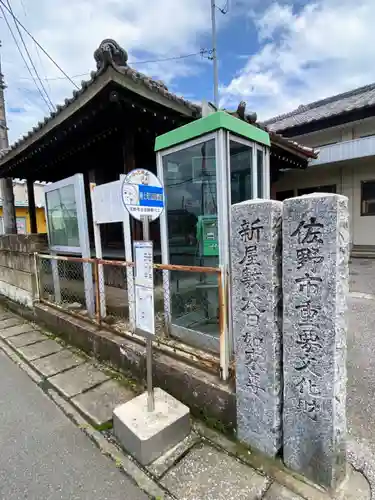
[[40, 218]]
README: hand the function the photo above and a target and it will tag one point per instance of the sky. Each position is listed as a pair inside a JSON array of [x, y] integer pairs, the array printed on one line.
[[275, 55]]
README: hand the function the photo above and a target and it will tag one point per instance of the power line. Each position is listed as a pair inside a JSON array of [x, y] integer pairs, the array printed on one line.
[[30, 59], [55, 78], [43, 68], [23, 8], [38, 44], [23, 57], [224, 10], [202, 53], [37, 51]]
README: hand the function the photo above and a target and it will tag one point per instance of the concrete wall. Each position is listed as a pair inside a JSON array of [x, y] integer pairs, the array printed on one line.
[[347, 177], [17, 268]]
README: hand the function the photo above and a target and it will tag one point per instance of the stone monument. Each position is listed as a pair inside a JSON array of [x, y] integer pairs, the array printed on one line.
[[315, 285], [256, 310]]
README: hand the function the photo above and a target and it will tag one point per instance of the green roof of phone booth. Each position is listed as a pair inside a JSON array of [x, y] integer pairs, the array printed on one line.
[[210, 123]]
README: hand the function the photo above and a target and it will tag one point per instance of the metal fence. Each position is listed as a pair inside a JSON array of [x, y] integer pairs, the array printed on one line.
[[192, 295], [60, 281], [186, 298], [115, 300]]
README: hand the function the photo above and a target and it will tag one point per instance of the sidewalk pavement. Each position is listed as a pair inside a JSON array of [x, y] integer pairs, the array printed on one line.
[[206, 465]]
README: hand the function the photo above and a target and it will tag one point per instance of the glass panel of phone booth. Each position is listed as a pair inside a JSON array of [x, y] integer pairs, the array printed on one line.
[[247, 170], [196, 226], [241, 171], [190, 183]]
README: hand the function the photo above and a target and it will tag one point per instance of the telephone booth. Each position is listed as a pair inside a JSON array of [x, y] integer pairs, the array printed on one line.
[[206, 166]]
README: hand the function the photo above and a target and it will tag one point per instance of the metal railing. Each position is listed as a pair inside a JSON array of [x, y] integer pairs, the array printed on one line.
[[186, 298], [345, 150]]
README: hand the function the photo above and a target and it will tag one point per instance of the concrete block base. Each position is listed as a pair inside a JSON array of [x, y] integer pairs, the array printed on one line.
[[147, 435]]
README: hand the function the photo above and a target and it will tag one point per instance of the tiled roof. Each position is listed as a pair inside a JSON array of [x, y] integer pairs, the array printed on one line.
[[111, 54], [276, 139], [332, 106]]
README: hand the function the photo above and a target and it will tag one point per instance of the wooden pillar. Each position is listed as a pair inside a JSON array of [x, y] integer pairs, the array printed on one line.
[[6, 183], [9, 211], [128, 151], [91, 176], [32, 209]]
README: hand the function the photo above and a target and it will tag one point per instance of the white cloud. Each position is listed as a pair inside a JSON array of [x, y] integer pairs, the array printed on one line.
[[308, 53], [71, 30]]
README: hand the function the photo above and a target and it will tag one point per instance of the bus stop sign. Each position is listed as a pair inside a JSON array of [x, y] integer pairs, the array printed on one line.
[[142, 194]]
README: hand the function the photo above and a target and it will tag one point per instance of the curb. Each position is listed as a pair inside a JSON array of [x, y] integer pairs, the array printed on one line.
[[358, 459], [122, 461], [360, 456]]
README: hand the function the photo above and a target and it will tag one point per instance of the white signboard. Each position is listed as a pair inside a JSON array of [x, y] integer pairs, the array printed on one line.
[[144, 309], [106, 203], [144, 273], [142, 194], [144, 287]]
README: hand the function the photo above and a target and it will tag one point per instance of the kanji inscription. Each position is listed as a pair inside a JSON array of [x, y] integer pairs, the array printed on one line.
[[256, 259], [315, 275]]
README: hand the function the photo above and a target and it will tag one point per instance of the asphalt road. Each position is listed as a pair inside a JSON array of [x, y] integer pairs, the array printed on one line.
[[43, 455], [361, 369]]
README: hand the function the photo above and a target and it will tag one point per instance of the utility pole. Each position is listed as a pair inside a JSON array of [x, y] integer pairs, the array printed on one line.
[[6, 184], [214, 54]]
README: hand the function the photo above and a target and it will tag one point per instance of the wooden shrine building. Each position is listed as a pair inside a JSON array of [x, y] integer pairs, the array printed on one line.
[[108, 127]]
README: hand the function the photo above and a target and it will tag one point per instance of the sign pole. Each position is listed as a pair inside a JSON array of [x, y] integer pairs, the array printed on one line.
[[166, 419], [150, 390], [142, 194]]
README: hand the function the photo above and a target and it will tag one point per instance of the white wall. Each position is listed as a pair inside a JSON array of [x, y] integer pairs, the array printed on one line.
[[363, 226], [345, 132], [20, 193], [347, 177], [364, 128], [320, 138], [312, 176]]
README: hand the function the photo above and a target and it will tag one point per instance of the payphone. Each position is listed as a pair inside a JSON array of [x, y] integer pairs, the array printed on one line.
[[207, 236]]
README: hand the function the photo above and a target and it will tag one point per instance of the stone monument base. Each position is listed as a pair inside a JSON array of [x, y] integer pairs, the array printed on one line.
[[147, 435]]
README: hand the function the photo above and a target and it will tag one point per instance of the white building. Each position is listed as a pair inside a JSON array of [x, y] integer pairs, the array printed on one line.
[[342, 129]]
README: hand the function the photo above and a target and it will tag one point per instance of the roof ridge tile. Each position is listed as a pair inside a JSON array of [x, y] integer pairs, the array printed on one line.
[[321, 102]]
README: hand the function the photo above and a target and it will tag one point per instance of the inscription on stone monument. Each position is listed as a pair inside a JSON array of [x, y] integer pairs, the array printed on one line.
[[315, 281], [255, 254]]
